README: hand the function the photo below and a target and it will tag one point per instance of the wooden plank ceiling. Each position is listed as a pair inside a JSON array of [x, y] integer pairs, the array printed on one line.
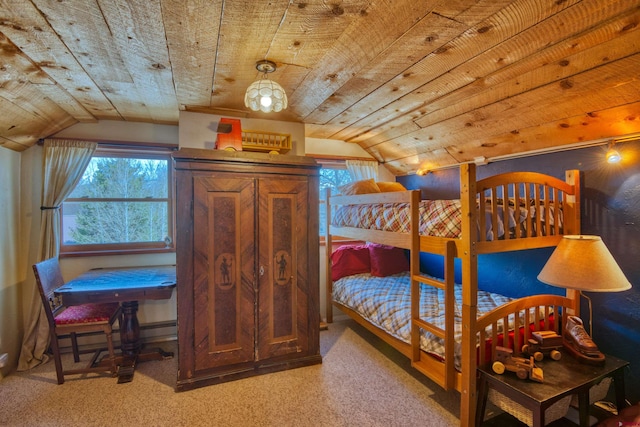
[[414, 82]]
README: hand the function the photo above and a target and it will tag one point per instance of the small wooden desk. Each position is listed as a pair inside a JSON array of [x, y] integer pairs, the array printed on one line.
[[561, 378], [126, 285]]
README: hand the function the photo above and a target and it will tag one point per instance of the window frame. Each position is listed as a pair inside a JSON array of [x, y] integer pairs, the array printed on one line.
[[130, 151]]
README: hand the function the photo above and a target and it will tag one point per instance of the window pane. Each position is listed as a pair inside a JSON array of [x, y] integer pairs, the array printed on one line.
[[330, 178], [119, 177], [90, 223], [122, 203]]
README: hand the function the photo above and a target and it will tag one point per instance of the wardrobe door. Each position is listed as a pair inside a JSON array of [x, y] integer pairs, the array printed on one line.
[[283, 267], [224, 266]]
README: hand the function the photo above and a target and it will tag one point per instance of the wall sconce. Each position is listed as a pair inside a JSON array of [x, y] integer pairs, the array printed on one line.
[[422, 172], [612, 156], [265, 95], [480, 160]]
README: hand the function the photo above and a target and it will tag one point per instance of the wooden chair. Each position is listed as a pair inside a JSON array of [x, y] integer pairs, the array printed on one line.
[[73, 320]]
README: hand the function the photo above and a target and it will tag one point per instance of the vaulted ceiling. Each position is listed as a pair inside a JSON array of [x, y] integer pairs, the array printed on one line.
[[412, 82]]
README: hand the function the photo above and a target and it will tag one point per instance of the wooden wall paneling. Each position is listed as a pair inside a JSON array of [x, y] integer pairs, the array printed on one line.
[[190, 34], [377, 28], [595, 90], [27, 28], [437, 72], [510, 61], [248, 27], [408, 81]]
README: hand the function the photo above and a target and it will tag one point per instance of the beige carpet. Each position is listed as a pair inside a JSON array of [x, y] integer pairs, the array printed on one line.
[[356, 385]]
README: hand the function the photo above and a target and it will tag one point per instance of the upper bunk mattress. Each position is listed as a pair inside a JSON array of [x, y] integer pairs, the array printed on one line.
[[439, 218]]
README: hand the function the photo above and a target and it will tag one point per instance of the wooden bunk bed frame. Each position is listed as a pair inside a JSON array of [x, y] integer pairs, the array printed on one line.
[[536, 309]]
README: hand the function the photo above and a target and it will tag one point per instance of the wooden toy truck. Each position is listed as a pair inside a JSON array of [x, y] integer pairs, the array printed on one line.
[[543, 343], [523, 367]]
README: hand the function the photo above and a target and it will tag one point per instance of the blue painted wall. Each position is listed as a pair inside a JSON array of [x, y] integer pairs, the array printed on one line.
[[610, 208]]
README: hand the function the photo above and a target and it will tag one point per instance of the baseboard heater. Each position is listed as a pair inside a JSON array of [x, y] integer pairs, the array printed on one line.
[[171, 336]]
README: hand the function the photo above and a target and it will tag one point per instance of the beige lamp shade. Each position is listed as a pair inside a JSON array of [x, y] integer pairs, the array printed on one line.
[[583, 263]]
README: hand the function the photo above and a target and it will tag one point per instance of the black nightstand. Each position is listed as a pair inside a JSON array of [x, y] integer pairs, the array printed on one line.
[[564, 377]]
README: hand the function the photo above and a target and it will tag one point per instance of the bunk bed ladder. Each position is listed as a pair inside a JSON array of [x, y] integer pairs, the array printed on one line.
[[445, 377]]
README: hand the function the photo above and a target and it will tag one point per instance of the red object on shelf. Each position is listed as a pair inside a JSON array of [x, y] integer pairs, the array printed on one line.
[[231, 140]]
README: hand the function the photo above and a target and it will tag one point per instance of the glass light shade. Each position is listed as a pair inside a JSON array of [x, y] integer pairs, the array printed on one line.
[[583, 263], [265, 95]]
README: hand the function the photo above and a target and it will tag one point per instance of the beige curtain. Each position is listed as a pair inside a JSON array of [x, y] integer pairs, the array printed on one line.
[[362, 169], [64, 162]]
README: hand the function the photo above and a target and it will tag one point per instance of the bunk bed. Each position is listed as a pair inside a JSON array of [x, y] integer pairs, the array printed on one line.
[[506, 212]]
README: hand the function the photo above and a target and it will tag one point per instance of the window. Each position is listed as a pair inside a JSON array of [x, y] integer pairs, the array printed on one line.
[[332, 175], [122, 204]]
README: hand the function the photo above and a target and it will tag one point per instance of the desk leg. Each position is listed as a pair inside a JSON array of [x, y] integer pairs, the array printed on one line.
[[130, 329], [132, 351], [130, 341]]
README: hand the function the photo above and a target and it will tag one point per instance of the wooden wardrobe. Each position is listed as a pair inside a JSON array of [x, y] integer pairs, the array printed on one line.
[[247, 264]]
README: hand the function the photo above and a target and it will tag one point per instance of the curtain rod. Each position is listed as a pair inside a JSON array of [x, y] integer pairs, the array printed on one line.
[[171, 147]]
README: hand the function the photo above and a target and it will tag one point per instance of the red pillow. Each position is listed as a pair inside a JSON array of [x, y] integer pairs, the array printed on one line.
[[387, 260], [348, 260]]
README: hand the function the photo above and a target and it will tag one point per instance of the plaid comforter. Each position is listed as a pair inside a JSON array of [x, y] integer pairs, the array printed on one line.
[[386, 303], [439, 218]]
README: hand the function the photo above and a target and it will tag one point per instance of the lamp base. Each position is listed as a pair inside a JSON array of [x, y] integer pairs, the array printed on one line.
[[591, 359]]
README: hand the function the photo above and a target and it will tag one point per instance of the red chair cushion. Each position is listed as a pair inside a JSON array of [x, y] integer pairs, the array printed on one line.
[[86, 313]]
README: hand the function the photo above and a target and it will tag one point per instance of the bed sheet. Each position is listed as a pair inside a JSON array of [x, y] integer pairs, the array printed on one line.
[[386, 303]]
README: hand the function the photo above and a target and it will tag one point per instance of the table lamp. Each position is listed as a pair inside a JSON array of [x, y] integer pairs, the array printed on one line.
[[584, 263]]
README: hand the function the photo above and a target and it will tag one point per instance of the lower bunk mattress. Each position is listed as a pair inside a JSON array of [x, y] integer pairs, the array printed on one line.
[[386, 303]]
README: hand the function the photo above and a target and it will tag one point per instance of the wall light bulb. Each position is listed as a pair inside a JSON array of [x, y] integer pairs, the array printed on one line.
[[613, 156]]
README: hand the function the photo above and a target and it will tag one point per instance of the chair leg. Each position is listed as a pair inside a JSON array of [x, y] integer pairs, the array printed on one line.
[[55, 347], [112, 353], [74, 346]]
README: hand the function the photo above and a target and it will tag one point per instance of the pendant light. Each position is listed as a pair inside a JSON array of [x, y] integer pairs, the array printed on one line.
[[265, 95]]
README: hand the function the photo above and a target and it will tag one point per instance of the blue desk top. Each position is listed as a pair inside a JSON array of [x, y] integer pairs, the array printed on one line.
[[120, 284]]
